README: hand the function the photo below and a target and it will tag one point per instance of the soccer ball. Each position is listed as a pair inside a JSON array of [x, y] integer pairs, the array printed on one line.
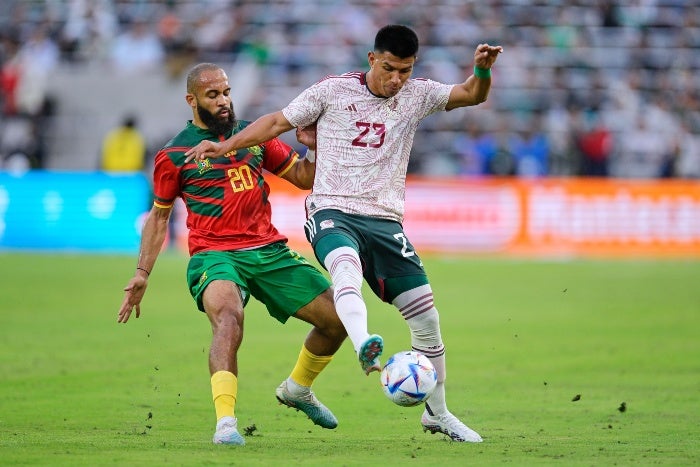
[[408, 378]]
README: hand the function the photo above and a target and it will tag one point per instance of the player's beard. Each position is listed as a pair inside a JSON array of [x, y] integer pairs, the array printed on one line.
[[216, 124]]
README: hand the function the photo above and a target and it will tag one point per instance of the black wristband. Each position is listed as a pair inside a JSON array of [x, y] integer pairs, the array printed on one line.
[[148, 273]]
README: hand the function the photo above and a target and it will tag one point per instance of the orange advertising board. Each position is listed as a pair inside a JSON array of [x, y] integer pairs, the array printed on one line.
[[543, 217], [576, 217]]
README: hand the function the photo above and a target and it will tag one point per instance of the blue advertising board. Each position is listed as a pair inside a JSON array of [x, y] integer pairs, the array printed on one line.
[[72, 211]]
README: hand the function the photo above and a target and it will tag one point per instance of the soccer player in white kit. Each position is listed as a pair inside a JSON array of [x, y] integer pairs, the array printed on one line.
[[364, 124]]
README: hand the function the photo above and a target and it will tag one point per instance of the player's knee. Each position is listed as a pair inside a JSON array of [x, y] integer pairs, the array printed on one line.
[[343, 264], [331, 329], [336, 331], [322, 315], [225, 318]]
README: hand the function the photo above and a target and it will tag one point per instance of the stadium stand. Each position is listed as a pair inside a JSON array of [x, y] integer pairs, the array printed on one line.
[[580, 87]]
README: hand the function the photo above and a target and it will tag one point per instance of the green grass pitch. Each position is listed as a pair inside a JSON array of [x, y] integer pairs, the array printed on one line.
[[553, 362]]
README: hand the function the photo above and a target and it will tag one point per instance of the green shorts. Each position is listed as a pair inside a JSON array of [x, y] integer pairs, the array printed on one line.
[[274, 274], [390, 265]]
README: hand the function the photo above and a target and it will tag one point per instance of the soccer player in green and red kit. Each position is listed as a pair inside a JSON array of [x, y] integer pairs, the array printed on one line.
[[235, 250]]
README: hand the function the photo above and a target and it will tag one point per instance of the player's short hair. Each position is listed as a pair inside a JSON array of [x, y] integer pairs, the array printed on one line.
[[194, 74], [398, 40]]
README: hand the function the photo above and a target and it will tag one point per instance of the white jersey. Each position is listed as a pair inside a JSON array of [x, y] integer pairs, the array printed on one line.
[[363, 142]]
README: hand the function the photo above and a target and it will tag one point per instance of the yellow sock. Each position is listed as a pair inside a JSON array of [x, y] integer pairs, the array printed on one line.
[[308, 367], [224, 389]]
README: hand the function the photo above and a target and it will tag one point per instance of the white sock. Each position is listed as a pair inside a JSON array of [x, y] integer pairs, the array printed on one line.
[[343, 264], [436, 402], [417, 308]]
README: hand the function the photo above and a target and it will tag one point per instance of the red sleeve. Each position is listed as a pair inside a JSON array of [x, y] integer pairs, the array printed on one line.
[[279, 156], [166, 181]]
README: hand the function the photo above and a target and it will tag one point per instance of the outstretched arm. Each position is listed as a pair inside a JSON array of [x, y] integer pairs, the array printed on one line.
[[152, 237], [263, 129], [475, 89]]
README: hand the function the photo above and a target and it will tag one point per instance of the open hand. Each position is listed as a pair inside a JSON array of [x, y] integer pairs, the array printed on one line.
[[134, 291]]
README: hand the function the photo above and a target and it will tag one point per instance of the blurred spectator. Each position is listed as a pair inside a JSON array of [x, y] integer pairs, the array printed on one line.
[[688, 144], [594, 142], [476, 150], [124, 148], [24, 74], [16, 141], [176, 43], [38, 58], [89, 28], [502, 163], [530, 149], [212, 29], [609, 13], [137, 50], [670, 161], [10, 72], [641, 153]]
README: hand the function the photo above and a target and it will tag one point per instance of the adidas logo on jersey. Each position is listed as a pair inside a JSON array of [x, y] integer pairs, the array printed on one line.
[[351, 108]]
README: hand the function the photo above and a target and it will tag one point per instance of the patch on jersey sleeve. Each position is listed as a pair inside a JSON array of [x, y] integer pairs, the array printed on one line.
[[327, 224], [255, 150]]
